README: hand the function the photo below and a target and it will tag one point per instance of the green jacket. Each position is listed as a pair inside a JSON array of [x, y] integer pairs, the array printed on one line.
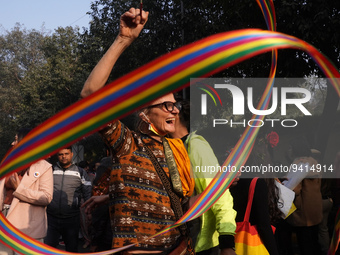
[[218, 223]]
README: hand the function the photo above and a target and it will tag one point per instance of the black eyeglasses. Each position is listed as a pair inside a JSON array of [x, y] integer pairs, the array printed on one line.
[[169, 106]]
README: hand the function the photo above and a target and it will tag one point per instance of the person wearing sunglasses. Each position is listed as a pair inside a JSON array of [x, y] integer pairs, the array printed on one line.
[[150, 176]]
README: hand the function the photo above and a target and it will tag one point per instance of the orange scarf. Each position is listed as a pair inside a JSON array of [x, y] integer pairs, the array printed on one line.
[[183, 166]]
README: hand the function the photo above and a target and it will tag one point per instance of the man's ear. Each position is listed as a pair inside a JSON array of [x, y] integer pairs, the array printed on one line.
[[143, 116]]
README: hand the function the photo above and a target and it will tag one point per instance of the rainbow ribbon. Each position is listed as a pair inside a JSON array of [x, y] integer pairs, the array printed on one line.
[[336, 235], [24, 244], [166, 74]]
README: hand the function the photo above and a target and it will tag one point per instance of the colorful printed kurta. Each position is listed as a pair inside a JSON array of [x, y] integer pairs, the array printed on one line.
[[139, 204]]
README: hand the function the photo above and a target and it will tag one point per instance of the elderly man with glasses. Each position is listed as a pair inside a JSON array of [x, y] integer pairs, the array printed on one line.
[[150, 176]]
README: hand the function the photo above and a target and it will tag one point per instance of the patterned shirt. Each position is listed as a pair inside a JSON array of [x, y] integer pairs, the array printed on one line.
[[139, 205]]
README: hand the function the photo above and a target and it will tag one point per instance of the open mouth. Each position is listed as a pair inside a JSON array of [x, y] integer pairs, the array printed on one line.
[[170, 121]]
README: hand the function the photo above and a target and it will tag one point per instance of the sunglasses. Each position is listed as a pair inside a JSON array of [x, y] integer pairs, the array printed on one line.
[[169, 106]]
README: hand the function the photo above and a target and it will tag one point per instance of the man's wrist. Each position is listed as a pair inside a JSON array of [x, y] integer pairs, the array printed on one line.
[[226, 241], [124, 40]]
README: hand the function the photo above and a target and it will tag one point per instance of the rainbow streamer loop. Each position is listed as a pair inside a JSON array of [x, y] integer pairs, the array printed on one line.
[[336, 235], [166, 74]]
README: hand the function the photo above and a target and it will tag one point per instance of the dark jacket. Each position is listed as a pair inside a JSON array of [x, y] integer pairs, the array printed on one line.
[[259, 214], [70, 185]]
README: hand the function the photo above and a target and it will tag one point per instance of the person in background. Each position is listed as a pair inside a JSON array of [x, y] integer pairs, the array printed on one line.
[[93, 169], [84, 222], [71, 184], [100, 228], [306, 218], [217, 225], [336, 205], [327, 205], [90, 170], [138, 188], [84, 165], [264, 210], [24, 196]]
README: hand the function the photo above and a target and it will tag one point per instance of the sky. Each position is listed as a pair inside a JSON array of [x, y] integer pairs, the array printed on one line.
[[33, 14]]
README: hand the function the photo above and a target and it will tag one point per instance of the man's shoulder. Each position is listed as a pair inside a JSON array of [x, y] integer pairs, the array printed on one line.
[[82, 171], [197, 141]]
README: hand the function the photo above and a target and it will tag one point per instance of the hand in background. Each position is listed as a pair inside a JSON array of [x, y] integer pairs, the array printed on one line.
[[94, 202], [228, 251]]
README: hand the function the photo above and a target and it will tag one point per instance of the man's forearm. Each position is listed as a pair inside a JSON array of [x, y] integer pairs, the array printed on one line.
[[102, 70]]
